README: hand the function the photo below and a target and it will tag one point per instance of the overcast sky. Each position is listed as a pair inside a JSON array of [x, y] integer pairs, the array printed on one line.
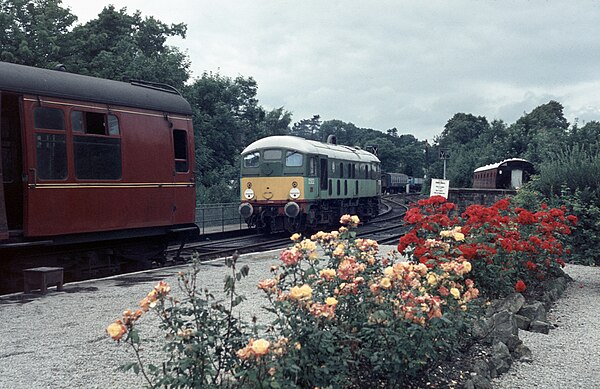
[[382, 64]]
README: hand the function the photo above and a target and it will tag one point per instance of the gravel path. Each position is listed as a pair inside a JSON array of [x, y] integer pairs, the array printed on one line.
[[58, 340], [569, 357]]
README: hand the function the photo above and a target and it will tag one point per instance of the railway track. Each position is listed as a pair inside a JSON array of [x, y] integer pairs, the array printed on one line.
[[385, 228]]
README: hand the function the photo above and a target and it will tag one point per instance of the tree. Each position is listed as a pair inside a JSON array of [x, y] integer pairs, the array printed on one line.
[[462, 129], [227, 118], [538, 135], [34, 31], [120, 46], [309, 129]]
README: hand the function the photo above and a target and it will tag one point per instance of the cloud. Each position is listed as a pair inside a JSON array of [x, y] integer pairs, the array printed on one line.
[[405, 64]]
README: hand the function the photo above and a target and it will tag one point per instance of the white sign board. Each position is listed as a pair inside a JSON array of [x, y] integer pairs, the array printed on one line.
[[439, 187]]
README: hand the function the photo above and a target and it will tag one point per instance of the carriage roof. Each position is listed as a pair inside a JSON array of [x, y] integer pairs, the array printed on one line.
[[498, 164], [305, 146], [61, 84]]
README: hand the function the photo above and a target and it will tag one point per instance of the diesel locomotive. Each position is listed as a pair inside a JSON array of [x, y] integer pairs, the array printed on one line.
[[93, 170], [290, 183]]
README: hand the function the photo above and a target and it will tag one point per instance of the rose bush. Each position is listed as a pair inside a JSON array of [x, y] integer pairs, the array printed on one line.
[[504, 244], [344, 317], [356, 319]]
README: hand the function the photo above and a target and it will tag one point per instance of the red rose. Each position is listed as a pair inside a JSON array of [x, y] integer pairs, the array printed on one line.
[[520, 286]]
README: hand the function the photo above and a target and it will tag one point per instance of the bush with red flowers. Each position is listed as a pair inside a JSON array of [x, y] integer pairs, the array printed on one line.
[[504, 244]]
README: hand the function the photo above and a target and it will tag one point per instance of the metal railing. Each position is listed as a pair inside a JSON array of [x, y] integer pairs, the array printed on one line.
[[219, 217]]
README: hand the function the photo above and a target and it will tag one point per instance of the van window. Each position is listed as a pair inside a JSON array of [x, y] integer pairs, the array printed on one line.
[[180, 150]]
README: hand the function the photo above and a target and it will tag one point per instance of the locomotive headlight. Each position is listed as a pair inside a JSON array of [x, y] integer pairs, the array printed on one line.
[[249, 194], [294, 193]]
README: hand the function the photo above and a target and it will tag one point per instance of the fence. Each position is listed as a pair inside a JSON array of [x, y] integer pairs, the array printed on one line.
[[219, 217]]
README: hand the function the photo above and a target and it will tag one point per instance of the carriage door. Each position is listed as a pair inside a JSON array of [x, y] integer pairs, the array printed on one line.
[[323, 176], [11, 192], [516, 178]]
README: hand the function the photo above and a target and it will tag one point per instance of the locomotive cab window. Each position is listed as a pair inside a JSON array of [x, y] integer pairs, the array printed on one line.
[[96, 146], [272, 155], [312, 167], [180, 150], [51, 143], [252, 159], [293, 159]]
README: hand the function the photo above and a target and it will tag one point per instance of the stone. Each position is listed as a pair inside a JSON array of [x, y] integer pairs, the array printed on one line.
[[535, 311], [505, 330], [539, 326], [523, 322], [501, 359], [523, 353]]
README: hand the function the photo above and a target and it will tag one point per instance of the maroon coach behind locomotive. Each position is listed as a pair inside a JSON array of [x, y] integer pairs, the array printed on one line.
[[87, 159]]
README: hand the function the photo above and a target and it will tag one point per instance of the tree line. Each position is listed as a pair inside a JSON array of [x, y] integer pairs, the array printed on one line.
[[227, 114]]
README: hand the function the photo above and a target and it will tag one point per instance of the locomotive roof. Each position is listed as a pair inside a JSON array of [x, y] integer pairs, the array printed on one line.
[[498, 164], [306, 146], [55, 83]]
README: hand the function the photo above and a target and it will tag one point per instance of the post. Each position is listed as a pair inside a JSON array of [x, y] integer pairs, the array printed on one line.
[[444, 155]]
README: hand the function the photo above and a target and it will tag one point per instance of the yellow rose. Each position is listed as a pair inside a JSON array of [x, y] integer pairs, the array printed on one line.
[[385, 283], [303, 292], [459, 236], [455, 292], [295, 237], [331, 301], [445, 234], [260, 347], [327, 273], [431, 279], [467, 266], [308, 245], [116, 330], [388, 271]]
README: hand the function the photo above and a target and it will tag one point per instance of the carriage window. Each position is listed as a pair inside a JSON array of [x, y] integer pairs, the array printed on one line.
[[341, 170], [113, 125], [272, 154], [180, 150], [51, 156], [293, 158], [97, 157], [366, 171], [49, 118], [251, 160], [92, 123]]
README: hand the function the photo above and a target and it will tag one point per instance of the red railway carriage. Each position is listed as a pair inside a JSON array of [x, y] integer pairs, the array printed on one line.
[[88, 159], [508, 174]]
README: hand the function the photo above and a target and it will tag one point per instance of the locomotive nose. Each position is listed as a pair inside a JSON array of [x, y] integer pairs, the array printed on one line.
[[291, 209], [246, 210]]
